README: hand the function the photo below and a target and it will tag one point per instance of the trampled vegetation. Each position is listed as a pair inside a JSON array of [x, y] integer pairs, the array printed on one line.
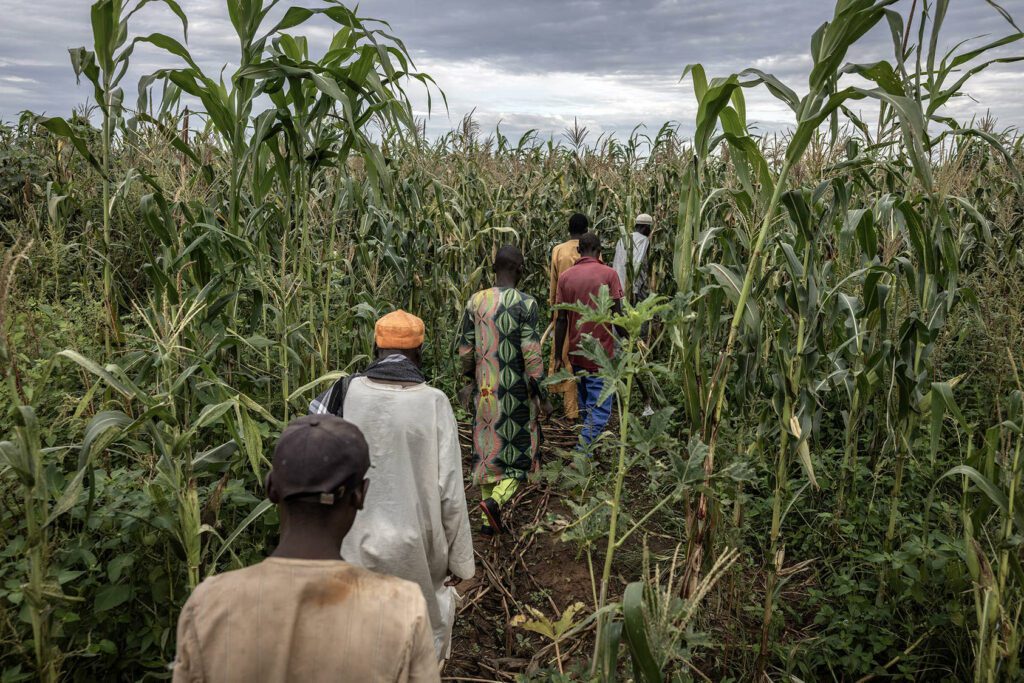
[[828, 488]]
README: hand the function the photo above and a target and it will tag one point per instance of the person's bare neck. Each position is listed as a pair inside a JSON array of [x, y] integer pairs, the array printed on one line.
[[308, 545], [505, 280]]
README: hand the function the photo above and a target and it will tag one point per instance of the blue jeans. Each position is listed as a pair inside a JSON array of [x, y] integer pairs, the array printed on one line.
[[595, 416]]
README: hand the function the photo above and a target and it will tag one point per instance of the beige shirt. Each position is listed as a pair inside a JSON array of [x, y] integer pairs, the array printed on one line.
[[304, 620]]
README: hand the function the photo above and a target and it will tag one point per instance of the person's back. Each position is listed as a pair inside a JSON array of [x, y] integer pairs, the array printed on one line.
[[563, 257], [409, 526], [288, 619], [304, 614], [581, 284], [637, 284], [415, 524], [633, 277]]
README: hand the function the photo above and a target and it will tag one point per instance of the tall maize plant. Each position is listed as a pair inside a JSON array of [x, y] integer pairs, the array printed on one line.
[[818, 302], [253, 225]]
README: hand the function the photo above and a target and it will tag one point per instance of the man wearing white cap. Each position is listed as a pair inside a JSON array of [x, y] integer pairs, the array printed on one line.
[[634, 278]]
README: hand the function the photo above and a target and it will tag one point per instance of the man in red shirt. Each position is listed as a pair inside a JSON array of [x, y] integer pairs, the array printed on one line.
[[581, 284]]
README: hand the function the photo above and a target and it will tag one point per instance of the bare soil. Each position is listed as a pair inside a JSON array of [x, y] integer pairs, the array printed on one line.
[[530, 566]]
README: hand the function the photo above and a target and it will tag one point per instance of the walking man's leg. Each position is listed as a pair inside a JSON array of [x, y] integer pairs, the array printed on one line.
[[485, 494], [495, 496], [581, 398], [596, 415], [600, 413]]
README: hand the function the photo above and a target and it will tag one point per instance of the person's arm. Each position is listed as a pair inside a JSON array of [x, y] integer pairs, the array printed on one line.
[[619, 261], [529, 341], [454, 514], [561, 327], [617, 310], [468, 366], [553, 280], [188, 666], [615, 291], [533, 358], [467, 356], [423, 664]]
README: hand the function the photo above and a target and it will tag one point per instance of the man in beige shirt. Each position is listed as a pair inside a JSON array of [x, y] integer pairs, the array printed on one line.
[[303, 614], [563, 257]]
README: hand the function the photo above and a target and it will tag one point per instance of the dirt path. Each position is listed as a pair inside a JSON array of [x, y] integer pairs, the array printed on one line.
[[528, 566]]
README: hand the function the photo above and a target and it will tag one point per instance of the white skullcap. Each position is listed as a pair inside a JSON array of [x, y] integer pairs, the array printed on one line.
[[644, 219]]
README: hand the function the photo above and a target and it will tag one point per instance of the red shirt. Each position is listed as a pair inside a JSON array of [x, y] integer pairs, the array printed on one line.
[[579, 284]]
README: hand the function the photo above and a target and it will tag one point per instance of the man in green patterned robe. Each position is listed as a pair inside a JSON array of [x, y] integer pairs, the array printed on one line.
[[500, 349]]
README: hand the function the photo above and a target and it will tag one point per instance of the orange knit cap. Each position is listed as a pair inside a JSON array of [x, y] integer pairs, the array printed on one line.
[[398, 330]]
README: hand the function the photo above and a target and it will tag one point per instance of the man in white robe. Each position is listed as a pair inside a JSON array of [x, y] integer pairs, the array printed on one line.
[[414, 523], [632, 272]]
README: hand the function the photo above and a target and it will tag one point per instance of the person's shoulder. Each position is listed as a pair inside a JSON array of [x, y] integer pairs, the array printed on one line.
[[526, 299], [215, 585], [436, 395], [386, 586], [574, 267], [567, 245], [573, 273]]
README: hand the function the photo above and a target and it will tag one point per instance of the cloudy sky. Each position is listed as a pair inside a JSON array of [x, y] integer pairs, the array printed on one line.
[[611, 64]]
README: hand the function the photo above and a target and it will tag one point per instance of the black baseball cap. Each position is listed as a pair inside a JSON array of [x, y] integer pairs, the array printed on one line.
[[318, 458]]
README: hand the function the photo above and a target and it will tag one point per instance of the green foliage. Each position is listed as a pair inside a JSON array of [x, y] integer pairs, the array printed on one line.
[[826, 357]]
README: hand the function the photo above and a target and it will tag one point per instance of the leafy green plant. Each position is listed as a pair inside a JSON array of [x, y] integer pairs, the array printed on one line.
[[105, 66], [250, 251], [656, 621], [554, 631]]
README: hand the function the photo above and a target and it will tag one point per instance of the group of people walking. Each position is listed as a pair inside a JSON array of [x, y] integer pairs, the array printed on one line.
[[383, 609]]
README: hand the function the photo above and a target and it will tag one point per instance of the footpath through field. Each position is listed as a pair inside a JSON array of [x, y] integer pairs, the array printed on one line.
[[530, 565]]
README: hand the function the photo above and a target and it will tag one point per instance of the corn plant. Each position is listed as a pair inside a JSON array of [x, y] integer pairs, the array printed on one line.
[[815, 369], [105, 66], [990, 485]]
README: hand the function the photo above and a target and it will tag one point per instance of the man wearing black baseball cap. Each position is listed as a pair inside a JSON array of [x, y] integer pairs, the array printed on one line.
[[303, 614]]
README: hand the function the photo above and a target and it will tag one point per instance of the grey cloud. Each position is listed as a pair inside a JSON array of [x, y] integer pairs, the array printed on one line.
[[643, 42]]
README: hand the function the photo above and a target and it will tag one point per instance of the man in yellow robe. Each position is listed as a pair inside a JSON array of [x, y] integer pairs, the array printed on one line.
[[563, 256]]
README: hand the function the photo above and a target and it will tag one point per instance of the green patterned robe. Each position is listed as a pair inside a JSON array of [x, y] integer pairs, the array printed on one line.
[[500, 327]]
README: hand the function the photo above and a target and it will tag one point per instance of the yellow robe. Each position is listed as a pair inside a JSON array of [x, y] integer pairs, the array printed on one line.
[[563, 257]]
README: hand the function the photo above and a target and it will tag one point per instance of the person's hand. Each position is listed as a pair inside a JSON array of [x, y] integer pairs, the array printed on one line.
[[546, 408], [542, 409], [559, 364], [466, 396], [462, 585]]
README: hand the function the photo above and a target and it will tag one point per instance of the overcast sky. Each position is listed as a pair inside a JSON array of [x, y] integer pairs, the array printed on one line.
[[612, 64]]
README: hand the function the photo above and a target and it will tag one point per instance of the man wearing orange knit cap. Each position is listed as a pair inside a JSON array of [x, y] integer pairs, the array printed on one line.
[[415, 523]]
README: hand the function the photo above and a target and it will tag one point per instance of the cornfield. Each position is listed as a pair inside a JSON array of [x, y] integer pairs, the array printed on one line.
[[827, 489]]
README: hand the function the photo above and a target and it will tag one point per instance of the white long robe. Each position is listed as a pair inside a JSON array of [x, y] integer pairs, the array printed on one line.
[[414, 524], [640, 244]]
